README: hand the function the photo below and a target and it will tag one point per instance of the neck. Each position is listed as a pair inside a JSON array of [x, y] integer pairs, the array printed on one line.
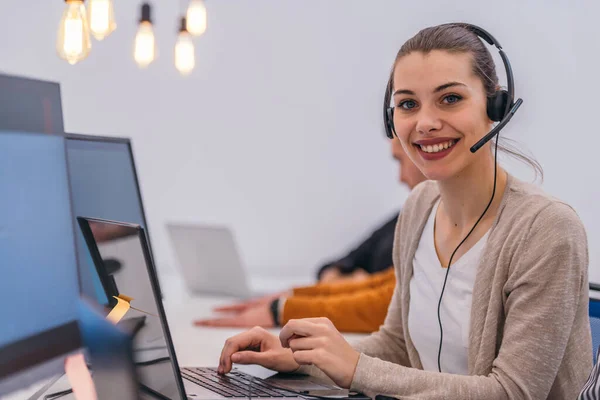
[[465, 196]]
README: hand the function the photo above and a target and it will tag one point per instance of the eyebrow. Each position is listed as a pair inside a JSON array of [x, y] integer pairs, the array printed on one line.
[[436, 90]]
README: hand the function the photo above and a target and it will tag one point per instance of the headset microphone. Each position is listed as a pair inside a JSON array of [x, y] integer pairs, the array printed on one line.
[[498, 127]]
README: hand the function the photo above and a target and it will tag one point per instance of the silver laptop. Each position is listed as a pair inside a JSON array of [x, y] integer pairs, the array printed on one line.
[[209, 260]]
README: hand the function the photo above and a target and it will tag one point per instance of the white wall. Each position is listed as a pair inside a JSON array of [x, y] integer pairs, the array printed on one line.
[[278, 130]]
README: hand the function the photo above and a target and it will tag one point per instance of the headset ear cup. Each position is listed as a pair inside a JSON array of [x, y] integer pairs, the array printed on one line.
[[389, 122], [498, 105]]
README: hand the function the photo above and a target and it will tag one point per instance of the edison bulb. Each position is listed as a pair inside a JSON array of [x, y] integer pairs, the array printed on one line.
[[73, 41], [144, 49], [185, 59], [196, 17], [101, 16]]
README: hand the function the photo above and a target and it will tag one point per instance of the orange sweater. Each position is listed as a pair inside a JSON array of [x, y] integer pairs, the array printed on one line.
[[351, 306]]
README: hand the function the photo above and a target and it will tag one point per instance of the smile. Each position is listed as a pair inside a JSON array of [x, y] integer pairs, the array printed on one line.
[[436, 148], [435, 151]]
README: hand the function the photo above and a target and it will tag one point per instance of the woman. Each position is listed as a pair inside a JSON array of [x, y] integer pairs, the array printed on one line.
[[510, 320]]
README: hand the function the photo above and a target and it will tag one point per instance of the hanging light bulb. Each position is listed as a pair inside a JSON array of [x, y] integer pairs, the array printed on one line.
[[101, 17], [73, 41], [196, 17], [184, 51], [145, 48]]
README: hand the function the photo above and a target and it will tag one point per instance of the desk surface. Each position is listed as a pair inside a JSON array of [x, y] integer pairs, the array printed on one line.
[[194, 346]]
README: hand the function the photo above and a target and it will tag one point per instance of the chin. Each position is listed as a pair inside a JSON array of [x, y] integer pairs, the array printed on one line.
[[437, 175], [440, 171], [445, 168]]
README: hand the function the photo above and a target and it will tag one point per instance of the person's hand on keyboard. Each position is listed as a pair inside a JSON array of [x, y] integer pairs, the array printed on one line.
[[256, 346], [316, 341]]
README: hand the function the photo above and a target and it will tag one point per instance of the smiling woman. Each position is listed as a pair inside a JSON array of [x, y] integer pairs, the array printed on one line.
[[483, 68], [510, 320]]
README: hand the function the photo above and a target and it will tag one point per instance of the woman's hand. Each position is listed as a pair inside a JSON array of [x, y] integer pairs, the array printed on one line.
[[256, 346], [255, 316], [316, 341]]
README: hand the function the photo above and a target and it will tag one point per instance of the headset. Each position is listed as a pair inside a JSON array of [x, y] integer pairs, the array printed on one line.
[[500, 105], [500, 108]]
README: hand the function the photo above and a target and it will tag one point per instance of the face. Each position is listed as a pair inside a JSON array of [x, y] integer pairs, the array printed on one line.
[[409, 173], [440, 112]]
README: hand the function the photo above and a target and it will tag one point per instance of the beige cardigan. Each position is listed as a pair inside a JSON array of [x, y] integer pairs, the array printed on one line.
[[529, 332]]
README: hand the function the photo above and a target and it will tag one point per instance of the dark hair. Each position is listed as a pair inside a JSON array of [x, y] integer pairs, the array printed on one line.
[[457, 38]]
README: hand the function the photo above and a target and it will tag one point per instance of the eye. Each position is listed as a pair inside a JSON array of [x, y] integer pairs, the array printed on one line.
[[451, 99], [407, 104]]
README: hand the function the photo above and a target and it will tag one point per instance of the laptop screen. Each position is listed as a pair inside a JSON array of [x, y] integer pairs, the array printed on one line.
[[103, 185], [132, 291], [38, 284]]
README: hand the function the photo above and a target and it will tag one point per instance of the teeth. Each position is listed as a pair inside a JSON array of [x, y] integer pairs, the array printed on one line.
[[438, 147]]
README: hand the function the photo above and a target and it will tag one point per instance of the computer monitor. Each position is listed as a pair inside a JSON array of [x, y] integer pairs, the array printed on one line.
[[30, 105], [39, 282], [104, 184]]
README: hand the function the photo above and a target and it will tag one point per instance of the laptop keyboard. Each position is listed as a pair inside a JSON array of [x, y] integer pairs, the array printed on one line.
[[234, 384]]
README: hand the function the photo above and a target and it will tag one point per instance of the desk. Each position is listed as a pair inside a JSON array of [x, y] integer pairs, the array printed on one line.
[[194, 346]]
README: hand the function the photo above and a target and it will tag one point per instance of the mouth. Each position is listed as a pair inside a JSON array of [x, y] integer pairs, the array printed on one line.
[[435, 149]]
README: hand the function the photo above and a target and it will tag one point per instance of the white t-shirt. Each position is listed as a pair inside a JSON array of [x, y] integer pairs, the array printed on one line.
[[425, 288]]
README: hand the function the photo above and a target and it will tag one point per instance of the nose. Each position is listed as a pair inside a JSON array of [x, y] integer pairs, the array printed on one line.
[[428, 121]]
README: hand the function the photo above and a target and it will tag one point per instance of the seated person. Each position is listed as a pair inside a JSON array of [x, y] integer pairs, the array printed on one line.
[[352, 304], [491, 299]]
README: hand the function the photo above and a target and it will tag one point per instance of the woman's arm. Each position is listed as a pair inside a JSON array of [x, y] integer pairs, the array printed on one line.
[[544, 289]]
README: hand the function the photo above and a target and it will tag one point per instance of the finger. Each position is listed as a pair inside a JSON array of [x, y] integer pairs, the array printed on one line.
[[231, 308], [299, 327], [307, 343], [220, 322], [248, 357], [249, 339], [308, 357], [319, 320]]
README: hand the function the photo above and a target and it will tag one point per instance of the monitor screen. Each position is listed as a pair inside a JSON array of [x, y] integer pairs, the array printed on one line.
[[133, 289], [30, 105], [39, 284], [103, 185]]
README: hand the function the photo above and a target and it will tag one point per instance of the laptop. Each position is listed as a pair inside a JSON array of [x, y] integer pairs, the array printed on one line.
[[209, 260], [137, 285]]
